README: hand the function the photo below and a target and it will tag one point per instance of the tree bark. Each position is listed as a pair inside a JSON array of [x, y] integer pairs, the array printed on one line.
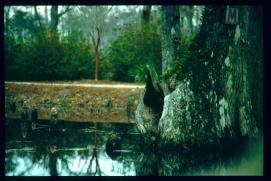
[[54, 18], [96, 44], [150, 107], [189, 16], [220, 100], [217, 108], [97, 62], [37, 17], [170, 41], [7, 20], [146, 15], [46, 16]]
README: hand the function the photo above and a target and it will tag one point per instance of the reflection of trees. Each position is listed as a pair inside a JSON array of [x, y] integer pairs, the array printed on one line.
[[94, 156], [42, 142], [52, 164], [62, 152], [11, 162], [68, 149], [97, 166], [9, 165]]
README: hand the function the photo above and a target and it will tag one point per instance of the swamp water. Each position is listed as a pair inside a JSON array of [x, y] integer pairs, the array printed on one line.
[[36, 152], [112, 149]]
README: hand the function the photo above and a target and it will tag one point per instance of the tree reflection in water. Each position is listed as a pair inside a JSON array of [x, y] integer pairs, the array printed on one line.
[[94, 156], [85, 150], [75, 151]]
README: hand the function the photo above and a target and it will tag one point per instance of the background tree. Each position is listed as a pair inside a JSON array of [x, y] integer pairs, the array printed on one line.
[[55, 16], [129, 56], [146, 11], [170, 42], [95, 21], [123, 29], [41, 53]]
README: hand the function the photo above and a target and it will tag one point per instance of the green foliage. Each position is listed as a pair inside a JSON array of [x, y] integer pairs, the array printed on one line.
[[130, 53], [48, 58], [180, 66], [138, 72], [22, 26]]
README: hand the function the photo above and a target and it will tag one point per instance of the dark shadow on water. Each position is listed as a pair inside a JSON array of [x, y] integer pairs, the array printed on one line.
[[69, 149], [77, 149]]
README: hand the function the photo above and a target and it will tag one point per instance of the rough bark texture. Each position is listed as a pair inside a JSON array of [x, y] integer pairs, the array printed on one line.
[[219, 100], [225, 90], [150, 106], [170, 41], [189, 15]]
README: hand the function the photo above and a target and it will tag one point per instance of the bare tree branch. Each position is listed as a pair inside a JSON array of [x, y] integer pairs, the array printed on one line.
[[99, 36], [65, 11], [109, 9], [93, 39]]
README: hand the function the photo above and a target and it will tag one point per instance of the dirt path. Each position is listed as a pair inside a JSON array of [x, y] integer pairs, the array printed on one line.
[[119, 86]]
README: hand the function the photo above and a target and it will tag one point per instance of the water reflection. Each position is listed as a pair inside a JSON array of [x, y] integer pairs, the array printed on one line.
[[71, 150], [113, 149]]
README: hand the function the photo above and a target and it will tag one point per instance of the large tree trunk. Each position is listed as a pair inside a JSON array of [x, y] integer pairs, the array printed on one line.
[[170, 42], [217, 108], [219, 102], [150, 107]]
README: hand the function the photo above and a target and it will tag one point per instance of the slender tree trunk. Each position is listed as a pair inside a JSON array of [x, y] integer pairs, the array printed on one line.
[[96, 44], [97, 62], [146, 15], [54, 18], [37, 17], [46, 16], [7, 12]]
